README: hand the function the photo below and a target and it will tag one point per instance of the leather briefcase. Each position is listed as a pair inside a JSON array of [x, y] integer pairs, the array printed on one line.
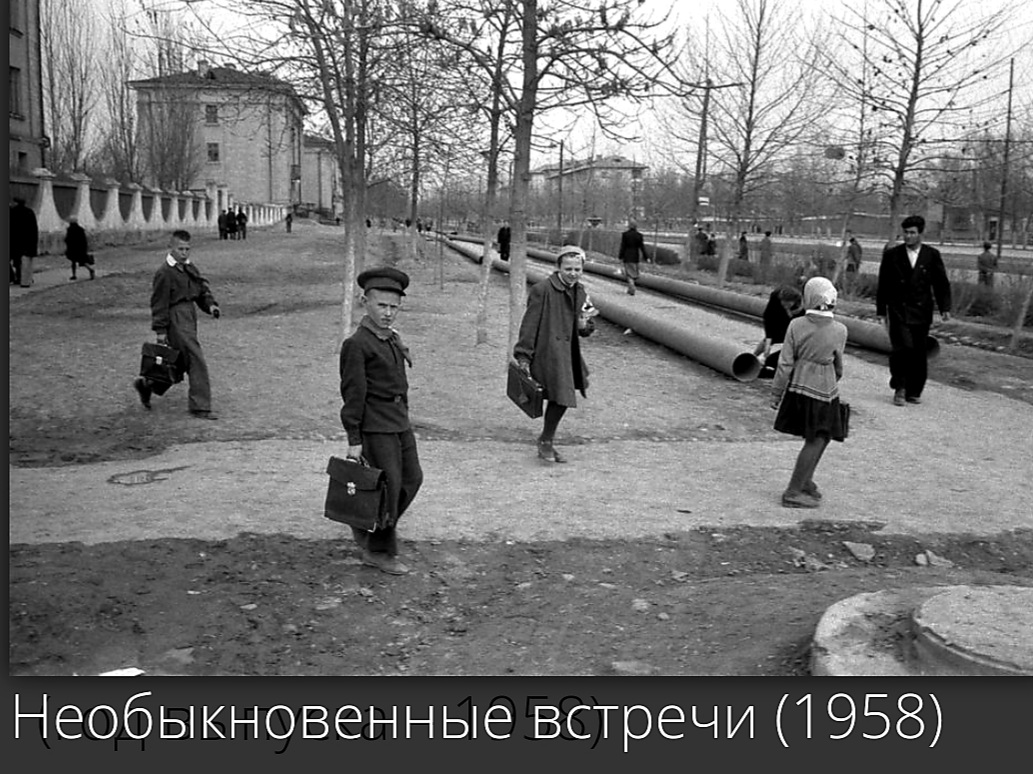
[[159, 364], [357, 494], [524, 391]]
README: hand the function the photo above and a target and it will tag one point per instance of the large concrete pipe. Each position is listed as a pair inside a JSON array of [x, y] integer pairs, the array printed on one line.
[[859, 332], [725, 356]]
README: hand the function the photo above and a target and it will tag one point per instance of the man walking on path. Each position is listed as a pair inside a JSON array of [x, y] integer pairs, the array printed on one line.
[[910, 276], [24, 243], [375, 414], [766, 250], [504, 237], [986, 263], [632, 247], [177, 287]]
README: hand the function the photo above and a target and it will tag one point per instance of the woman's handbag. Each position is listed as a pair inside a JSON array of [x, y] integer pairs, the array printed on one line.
[[524, 391], [357, 494], [844, 418]]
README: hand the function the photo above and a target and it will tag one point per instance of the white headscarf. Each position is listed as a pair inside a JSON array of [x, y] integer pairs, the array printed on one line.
[[819, 297]]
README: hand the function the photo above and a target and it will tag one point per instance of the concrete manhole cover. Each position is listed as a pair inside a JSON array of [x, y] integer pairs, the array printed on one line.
[[138, 477]]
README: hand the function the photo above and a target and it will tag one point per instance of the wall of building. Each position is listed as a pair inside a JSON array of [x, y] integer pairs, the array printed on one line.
[[246, 139], [320, 188], [26, 150]]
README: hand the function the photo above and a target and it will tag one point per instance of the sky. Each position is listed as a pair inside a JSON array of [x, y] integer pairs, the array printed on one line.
[[579, 132]]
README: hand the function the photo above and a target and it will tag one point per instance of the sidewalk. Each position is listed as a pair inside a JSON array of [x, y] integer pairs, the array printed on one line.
[[661, 444]]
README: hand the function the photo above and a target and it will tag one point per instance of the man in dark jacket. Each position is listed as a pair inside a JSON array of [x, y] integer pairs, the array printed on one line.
[[177, 287], [911, 275], [242, 223], [24, 242], [632, 248], [375, 414]]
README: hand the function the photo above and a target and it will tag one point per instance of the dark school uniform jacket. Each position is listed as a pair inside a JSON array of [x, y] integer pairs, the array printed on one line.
[[173, 285], [374, 385], [906, 294]]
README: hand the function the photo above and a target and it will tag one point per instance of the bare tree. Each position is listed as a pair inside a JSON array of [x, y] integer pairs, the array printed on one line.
[[570, 53], [927, 64], [763, 54], [68, 39], [119, 153]]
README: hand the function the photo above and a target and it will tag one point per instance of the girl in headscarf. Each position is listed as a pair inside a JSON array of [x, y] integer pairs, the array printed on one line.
[[806, 387]]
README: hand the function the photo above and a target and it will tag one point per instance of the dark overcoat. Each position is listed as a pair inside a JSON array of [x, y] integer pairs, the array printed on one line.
[[632, 246], [905, 295], [550, 340], [77, 246]]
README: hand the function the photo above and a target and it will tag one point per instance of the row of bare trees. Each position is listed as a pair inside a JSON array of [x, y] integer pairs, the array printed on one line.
[[758, 103], [89, 59]]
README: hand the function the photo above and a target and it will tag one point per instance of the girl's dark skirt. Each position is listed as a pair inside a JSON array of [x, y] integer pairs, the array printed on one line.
[[809, 418]]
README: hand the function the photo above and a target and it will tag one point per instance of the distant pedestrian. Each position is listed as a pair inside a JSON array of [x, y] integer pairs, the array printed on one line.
[[806, 388], [766, 250], [853, 255], [231, 224], [77, 248], [631, 250], [986, 263], [911, 277], [242, 223], [784, 304], [548, 347], [177, 287], [289, 220], [504, 237], [711, 244], [699, 242], [744, 247], [223, 233], [24, 243], [375, 414]]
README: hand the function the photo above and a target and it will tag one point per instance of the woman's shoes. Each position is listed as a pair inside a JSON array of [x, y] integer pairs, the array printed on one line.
[[547, 452], [798, 500], [810, 488]]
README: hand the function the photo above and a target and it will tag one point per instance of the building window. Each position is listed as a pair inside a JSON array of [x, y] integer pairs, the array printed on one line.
[[213, 153], [15, 99], [16, 17], [211, 114]]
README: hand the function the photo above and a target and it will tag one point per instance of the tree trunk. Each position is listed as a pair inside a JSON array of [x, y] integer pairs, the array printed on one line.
[[521, 169]]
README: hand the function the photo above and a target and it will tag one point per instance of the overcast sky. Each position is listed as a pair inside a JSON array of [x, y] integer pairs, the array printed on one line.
[[578, 132]]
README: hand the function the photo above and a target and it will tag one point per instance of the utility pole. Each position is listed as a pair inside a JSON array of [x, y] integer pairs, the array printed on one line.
[[701, 154], [1004, 170], [559, 209]]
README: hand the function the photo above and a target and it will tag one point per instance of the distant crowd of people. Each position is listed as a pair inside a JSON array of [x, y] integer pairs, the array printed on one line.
[[233, 225]]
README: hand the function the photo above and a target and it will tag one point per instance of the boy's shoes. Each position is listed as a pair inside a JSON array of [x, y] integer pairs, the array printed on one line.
[[913, 399], [203, 415], [144, 391], [898, 398], [798, 500]]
